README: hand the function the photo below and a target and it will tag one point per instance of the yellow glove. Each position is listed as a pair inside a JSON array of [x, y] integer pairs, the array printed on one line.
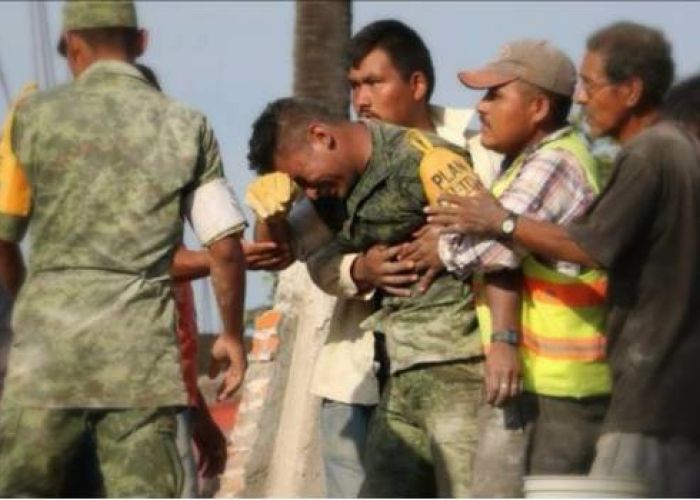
[[15, 192], [442, 170], [271, 195]]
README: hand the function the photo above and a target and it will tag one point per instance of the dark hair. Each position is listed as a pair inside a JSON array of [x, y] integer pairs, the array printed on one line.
[[559, 105], [683, 103], [633, 50], [406, 50], [149, 75], [283, 122], [125, 38]]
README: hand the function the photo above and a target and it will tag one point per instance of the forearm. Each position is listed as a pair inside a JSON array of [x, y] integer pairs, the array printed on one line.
[[275, 230], [189, 265], [12, 270], [502, 290], [227, 266], [551, 241]]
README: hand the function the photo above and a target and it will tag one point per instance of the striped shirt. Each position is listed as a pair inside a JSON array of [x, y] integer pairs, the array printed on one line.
[[551, 186]]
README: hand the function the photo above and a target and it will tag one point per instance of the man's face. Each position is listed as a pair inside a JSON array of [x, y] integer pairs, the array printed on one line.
[[507, 118], [603, 101], [380, 92], [319, 166]]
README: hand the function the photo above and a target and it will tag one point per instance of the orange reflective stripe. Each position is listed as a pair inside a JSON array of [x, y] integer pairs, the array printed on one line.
[[568, 294], [588, 349]]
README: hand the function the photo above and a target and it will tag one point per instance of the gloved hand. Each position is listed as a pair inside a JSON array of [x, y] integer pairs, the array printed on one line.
[[271, 195], [15, 193]]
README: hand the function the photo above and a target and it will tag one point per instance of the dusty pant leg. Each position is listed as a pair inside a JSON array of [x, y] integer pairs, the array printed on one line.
[[190, 487], [629, 455], [137, 452], [499, 460], [670, 464], [343, 436], [450, 397], [397, 456], [564, 433], [681, 465], [36, 448]]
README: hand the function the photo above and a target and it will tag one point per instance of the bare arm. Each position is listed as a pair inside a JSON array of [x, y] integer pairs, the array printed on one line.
[[189, 265], [12, 269], [502, 290], [482, 214], [228, 279], [550, 240]]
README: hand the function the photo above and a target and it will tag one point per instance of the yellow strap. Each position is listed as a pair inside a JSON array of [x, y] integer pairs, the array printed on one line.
[[419, 141]]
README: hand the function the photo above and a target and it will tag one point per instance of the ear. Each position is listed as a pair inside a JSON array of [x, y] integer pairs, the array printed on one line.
[[76, 48], [540, 106], [141, 43], [320, 135], [419, 85], [635, 89]]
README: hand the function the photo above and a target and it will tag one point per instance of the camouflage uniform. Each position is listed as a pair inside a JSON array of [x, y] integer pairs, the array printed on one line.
[[428, 409], [109, 160]]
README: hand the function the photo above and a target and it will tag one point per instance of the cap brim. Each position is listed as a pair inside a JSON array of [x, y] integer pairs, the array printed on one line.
[[484, 78]]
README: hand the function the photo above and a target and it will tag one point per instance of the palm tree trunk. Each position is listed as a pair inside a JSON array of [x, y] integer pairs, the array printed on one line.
[[286, 460], [321, 39]]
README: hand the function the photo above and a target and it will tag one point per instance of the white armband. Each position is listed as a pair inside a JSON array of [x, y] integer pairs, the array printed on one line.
[[214, 212]]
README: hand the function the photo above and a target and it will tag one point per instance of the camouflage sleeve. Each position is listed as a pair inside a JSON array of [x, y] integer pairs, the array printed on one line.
[[15, 191], [209, 164]]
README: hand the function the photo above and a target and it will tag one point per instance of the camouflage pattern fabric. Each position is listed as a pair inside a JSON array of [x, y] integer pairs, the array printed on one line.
[[85, 14], [135, 448], [386, 206], [423, 435], [109, 160]]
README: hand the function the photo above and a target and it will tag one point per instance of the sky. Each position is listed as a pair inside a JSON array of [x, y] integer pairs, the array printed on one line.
[[228, 59]]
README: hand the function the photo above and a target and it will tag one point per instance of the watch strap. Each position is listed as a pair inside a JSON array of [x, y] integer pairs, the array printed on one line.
[[508, 336]]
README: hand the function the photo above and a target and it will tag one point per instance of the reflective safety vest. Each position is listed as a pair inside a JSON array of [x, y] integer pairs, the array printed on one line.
[[562, 316]]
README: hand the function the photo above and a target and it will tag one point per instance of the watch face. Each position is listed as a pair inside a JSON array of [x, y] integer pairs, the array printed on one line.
[[508, 226]]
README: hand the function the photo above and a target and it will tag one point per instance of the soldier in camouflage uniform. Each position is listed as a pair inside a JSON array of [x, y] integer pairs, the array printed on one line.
[[422, 436], [111, 166]]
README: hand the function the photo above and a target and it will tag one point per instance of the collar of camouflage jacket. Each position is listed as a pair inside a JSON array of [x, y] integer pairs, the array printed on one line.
[[377, 170], [111, 67]]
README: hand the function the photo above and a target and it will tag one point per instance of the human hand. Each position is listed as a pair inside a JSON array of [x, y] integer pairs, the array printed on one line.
[[271, 195], [423, 251], [210, 443], [266, 255], [503, 373], [228, 355], [479, 213], [378, 268]]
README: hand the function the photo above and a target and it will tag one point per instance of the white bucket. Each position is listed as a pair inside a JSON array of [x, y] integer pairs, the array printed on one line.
[[584, 487]]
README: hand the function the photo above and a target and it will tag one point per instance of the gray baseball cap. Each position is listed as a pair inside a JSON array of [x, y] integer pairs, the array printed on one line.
[[534, 61]]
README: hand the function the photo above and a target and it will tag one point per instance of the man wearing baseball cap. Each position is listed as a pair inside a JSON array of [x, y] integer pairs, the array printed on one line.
[[106, 166], [558, 347]]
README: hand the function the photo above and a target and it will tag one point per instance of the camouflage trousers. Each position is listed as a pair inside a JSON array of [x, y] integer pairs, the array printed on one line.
[[135, 449], [422, 435]]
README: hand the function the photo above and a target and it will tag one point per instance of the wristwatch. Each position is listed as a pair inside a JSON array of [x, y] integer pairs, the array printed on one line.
[[508, 225], [508, 336]]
